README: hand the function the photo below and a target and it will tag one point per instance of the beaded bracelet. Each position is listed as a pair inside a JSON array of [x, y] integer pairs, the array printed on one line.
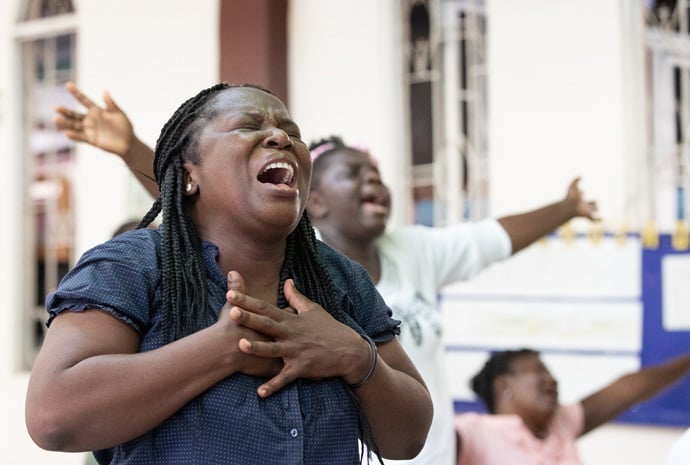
[[374, 357]]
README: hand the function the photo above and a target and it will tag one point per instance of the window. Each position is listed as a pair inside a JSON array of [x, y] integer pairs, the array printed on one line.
[[447, 107], [668, 69], [47, 42]]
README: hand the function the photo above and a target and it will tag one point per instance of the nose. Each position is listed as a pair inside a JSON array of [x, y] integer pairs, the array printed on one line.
[[550, 379], [371, 175], [277, 138]]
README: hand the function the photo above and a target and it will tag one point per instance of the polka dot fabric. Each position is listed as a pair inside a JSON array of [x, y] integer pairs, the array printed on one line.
[[307, 422]]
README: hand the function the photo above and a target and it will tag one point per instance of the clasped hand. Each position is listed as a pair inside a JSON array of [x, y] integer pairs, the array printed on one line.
[[304, 336]]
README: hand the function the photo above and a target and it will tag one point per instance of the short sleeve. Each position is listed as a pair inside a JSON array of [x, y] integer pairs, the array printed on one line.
[[452, 253], [119, 276], [353, 284]]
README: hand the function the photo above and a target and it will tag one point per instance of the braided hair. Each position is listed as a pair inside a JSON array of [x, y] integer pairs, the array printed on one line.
[[183, 275], [500, 363]]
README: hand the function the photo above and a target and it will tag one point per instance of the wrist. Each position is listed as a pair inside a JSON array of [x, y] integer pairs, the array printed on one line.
[[131, 148], [373, 357], [571, 208]]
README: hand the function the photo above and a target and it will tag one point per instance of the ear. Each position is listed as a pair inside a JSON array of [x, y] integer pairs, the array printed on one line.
[[189, 185], [316, 205], [501, 384]]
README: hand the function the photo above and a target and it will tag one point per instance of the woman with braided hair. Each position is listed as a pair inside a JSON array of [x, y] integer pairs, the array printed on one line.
[[229, 334], [349, 205], [526, 424]]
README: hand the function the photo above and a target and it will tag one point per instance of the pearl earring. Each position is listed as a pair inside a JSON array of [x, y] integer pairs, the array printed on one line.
[[188, 187]]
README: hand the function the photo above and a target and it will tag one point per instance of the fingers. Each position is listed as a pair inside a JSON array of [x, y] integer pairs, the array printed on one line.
[[295, 298], [593, 210], [276, 383], [83, 99], [68, 118], [74, 135], [70, 123], [261, 324], [69, 114], [236, 282], [110, 104], [292, 370], [258, 314], [251, 304], [270, 349]]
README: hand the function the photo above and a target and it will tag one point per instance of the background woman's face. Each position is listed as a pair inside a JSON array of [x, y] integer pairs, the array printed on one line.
[[354, 195], [534, 389]]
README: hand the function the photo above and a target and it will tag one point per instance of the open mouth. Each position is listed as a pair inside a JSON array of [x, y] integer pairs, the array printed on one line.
[[277, 173], [375, 204], [375, 200]]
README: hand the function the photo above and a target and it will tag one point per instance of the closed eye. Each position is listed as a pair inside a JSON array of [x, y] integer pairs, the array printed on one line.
[[292, 131]]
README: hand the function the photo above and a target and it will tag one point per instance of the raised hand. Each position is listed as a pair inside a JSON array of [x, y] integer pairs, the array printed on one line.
[[311, 343], [584, 208], [107, 127]]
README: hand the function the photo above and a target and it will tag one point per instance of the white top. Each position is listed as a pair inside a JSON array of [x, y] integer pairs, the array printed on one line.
[[680, 451], [416, 262]]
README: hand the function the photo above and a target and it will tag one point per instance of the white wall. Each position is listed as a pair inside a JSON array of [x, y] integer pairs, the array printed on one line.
[[151, 55], [559, 103], [345, 78], [546, 78]]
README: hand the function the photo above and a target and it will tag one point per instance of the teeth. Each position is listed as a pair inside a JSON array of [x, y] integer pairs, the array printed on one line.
[[280, 164], [289, 170]]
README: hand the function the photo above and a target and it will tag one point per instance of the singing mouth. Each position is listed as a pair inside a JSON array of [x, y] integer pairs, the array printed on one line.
[[375, 199], [278, 172]]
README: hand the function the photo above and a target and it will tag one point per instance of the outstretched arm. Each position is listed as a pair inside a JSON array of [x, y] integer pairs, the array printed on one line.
[[526, 228], [110, 129], [628, 390]]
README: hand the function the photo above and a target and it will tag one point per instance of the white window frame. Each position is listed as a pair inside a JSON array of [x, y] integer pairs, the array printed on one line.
[[25, 32], [667, 45], [452, 203]]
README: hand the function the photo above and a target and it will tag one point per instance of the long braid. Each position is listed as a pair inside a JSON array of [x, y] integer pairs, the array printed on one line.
[[183, 273], [319, 287]]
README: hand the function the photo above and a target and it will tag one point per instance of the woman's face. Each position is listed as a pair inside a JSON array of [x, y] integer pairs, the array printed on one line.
[[533, 390], [351, 195], [254, 171]]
